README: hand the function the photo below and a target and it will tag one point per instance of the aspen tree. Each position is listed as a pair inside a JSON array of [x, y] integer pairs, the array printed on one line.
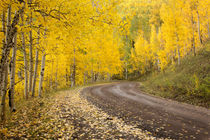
[[92, 24], [9, 38], [30, 49], [199, 30], [73, 76], [9, 35], [36, 64], [4, 91], [42, 74], [41, 79], [12, 76], [193, 35], [5, 67], [208, 27], [3, 47], [25, 58]]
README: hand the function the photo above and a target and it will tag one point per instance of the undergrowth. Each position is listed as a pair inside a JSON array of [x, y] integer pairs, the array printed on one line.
[[188, 82]]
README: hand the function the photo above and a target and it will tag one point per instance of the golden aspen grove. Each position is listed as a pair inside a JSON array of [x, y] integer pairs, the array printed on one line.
[[59, 56]]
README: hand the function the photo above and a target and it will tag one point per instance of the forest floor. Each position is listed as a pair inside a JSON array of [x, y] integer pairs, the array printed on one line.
[[67, 115]]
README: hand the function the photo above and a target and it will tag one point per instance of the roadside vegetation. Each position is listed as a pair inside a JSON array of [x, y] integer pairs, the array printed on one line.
[[189, 82]]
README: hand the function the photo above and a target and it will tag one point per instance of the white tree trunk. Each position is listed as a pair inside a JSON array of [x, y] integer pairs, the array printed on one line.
[[193, 44], [179, 57], [3, 46], [42, 75], [108, 77], [30, 54], [66, 77], [199, 30], [208, 26], [178, 48], [74, 71], [35, 72], [12, 29], [51, 78], [193, 35], [36, 65], [84, 75], [158, 64], [12, 76], [126, 71], [92, 76], [56, 79], [25, 59], [84, 78], [4, 91], [5, 66], [56, 75]]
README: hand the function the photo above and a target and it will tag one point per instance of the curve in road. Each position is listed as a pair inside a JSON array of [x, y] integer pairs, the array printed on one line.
[[161, 117]]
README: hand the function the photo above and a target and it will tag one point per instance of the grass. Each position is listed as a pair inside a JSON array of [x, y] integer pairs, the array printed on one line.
[[189, 82]]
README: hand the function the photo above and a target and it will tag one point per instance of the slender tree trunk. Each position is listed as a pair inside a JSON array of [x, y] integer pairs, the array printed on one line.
[[178, 49], [12, 76], [98, 74], [193, 35], [126, 71], [92, 76], [56, 79], [51, 78], [42, 75], [193, 44], [179, 57], [56, 75], [41, 79], [74, 71], [25, 67], [35, 72], [12, 30], [199, 31], [3, 27], [208, 26], [36, 65], [30, 53], [4, 91], [74, 68], [3, 45], [66, 77], [175, 54], [108, 76], [84, 76], [25, 59], [158, 64], [5, 66]]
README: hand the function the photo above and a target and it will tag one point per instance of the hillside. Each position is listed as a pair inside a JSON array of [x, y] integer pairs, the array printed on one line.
[[189, 82]]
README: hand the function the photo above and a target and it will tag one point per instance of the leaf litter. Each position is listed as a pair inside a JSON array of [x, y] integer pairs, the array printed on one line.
[[67, 115]]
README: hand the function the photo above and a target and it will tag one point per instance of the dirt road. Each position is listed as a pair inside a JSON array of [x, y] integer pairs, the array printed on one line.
[[163, 118]]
